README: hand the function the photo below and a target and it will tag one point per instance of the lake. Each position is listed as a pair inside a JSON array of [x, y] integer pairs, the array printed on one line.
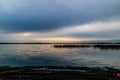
[[47, 55]]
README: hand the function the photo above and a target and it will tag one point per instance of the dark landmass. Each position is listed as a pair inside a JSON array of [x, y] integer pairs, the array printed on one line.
[[100, 46], [72, 45], [56, 43], [57, 73], [103, 46], [108, 47], [26, 43]]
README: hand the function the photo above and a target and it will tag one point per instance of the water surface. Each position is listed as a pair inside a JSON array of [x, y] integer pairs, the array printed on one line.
[[46, 54]]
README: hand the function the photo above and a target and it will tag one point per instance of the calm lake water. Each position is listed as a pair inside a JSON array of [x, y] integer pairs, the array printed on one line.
[[46, 54]]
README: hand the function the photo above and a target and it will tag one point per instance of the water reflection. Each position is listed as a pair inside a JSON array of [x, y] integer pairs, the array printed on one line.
[[47, 54]]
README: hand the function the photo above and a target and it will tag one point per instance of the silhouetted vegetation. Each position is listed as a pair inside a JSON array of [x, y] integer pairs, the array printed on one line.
[[106, 47], [57, 73], [100, 46], [71, 46]]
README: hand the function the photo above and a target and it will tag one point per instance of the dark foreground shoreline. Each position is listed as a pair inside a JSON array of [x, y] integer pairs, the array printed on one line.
[[57, 73]]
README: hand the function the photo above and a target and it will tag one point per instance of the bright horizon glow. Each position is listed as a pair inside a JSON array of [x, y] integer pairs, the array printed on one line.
[[65, 39], [59, 39], [25, 34]]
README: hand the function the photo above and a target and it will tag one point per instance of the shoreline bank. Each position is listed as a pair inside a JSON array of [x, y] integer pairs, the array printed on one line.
[[57, 73]]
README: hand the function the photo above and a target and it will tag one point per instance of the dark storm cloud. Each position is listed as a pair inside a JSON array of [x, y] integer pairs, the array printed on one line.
[[45, 15]]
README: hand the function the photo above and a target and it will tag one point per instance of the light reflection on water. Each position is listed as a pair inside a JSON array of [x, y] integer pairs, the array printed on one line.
[[46, 54]]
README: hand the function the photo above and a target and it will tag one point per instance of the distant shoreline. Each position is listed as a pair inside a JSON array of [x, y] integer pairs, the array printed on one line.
[[59, 43]]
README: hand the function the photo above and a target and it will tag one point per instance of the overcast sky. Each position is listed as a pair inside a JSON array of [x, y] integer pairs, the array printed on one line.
[[64, 20]]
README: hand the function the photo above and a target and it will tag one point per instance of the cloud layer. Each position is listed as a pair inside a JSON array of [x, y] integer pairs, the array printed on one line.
[[59, 19], [47, 15]]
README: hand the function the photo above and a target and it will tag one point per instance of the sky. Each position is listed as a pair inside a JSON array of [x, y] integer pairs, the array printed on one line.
[[59, 20]]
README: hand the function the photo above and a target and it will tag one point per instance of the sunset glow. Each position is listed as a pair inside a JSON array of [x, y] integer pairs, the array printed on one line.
[[25, 34], [62, 39]]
